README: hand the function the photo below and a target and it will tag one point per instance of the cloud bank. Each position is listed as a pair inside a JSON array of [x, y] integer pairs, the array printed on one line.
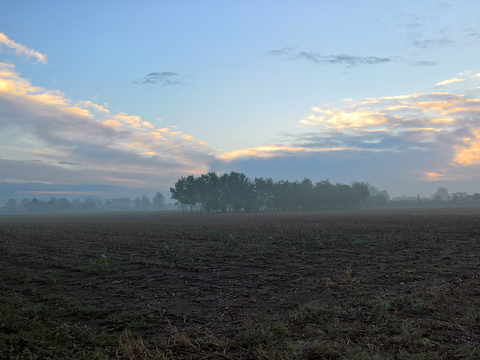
[[430, 136], [85, 142]]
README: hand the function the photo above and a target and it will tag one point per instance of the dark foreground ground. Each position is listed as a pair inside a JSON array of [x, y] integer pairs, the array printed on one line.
[[386, 284]]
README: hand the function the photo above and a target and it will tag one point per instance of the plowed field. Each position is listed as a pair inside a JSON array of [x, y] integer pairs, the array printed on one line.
[[384, 284]]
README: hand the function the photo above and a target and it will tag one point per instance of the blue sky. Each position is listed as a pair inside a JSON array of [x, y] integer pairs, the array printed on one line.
[[135, 94]]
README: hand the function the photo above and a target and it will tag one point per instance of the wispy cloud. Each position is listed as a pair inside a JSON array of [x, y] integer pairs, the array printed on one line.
[[445, 6], [425, 63], [449, 81], [21, 50], [414, 25], [417, 42], [68, 163], [163, 78], [292, 54]]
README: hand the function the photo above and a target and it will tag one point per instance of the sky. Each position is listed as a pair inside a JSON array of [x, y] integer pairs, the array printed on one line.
[[118, 97]]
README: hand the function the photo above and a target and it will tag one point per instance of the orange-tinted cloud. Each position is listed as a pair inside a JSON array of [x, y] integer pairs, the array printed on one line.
[[434, 122], [96, 107], [269, 151], [113, 123], [469, 154], [260, 151], [449, 81]]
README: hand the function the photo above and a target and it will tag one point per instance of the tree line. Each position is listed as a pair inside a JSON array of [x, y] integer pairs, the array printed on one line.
[[234, 191], [63, 205]]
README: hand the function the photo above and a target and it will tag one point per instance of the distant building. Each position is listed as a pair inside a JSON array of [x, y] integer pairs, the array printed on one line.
[[441, 194], [460, 195]]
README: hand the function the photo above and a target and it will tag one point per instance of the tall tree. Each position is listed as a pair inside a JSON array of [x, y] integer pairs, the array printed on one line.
[[192, 191], [237, 190], [306, 194], [158, 201], [263, 190], [64, 205], [211, 189], [11, 205], [137, 204], [146, 204], [360, 192], [179, 191], [33, 206]]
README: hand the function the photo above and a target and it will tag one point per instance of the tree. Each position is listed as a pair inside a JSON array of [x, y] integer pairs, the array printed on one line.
[[375, 191], [179, 191], [22, 204], [237, 190], [324, 196], [51, 206], [360, 193], [193, 187], [64, 205], [211, 189], [89, 205], [146, 204], [33, 206], [263, 191], [137, 204], [11, 205], [306, 194], [158, 201]]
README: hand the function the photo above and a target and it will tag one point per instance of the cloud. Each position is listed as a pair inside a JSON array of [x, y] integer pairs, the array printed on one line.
[[425, 63], [21, 50], [163, 78], [96, 107], [430, 43], [449, 81], [45, 124], [290, 53], [68, 163], [445, 6], [415, 25], [474, 34], [470, 154], [261, 151], [422, 136]]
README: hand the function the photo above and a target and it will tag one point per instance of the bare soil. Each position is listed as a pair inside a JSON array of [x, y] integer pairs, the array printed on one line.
[[342, 284]]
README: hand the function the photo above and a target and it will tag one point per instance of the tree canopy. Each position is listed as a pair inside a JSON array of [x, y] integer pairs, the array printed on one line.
[[236, 192]]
